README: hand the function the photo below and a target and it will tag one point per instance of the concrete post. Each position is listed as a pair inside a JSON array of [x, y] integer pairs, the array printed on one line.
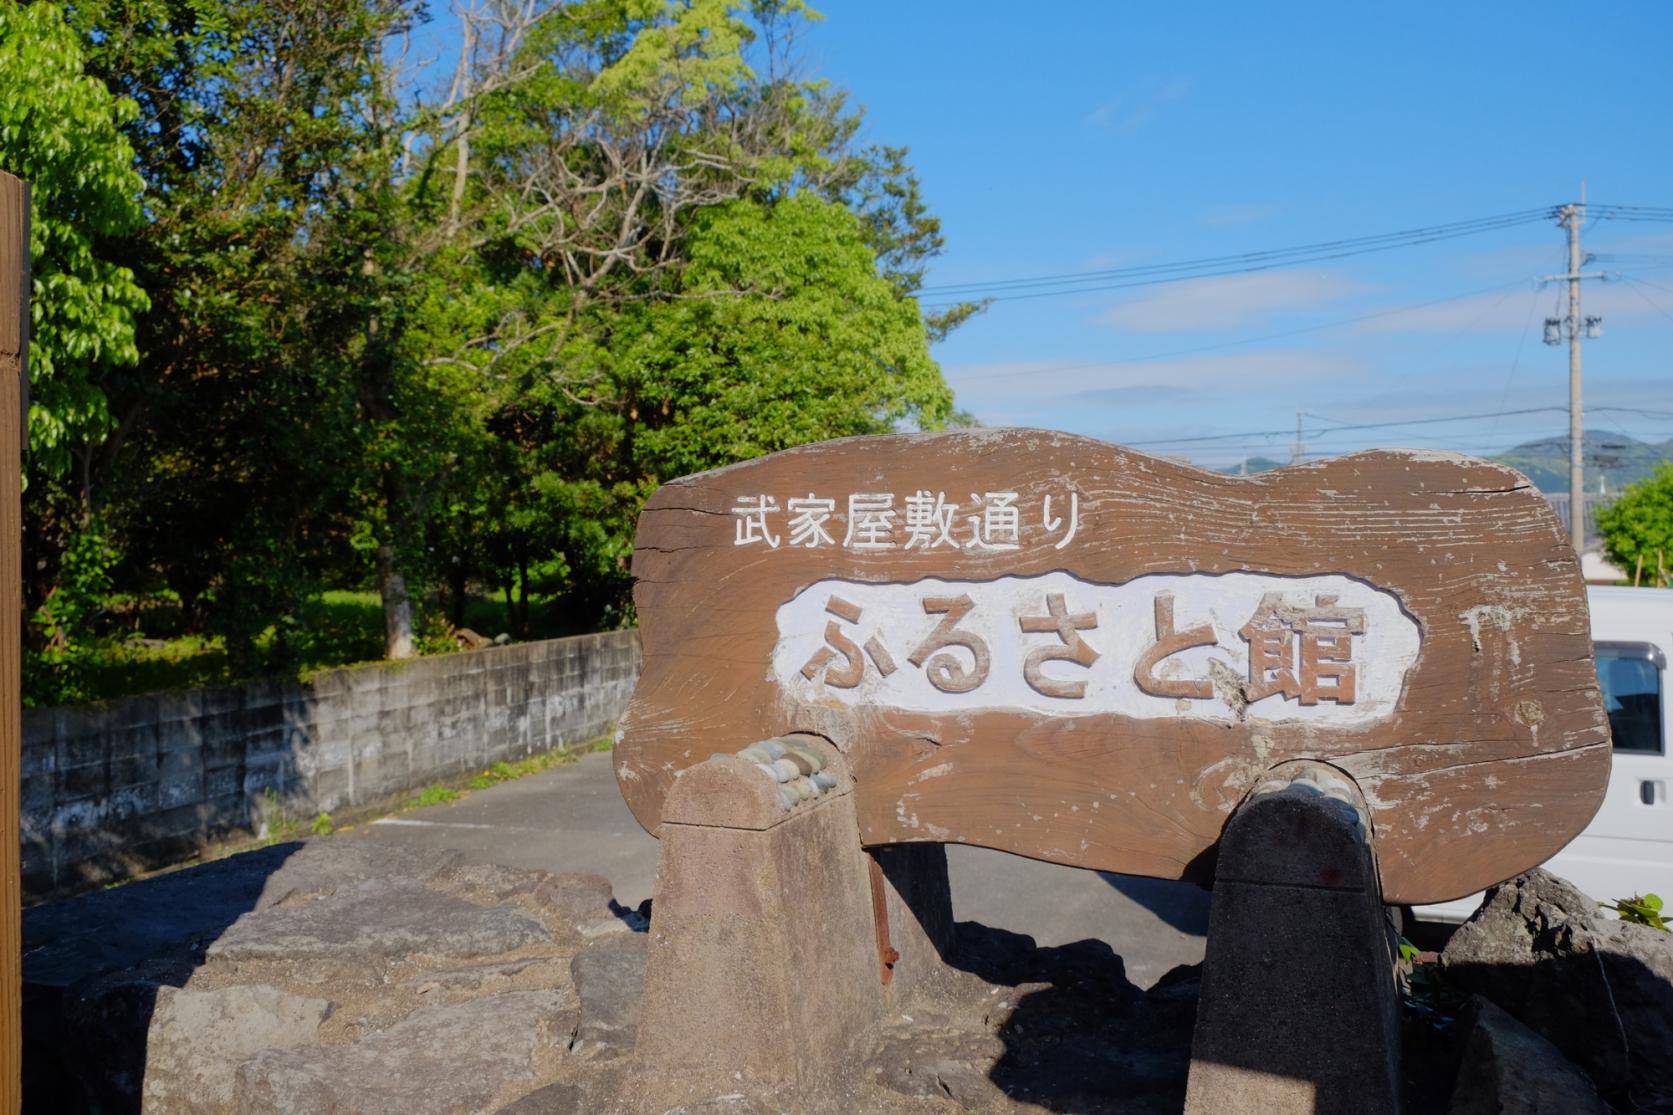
[[762, 975], [1298, 1010]]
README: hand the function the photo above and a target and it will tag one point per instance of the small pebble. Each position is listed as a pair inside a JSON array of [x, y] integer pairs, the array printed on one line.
[[814, 759], [824, 781], [803, 766], [787, 769], [771, 772], [786, 796], [771, 747], [804, 789]]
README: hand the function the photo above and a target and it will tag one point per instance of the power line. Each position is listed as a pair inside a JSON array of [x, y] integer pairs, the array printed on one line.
[[1648, 283], [1641, 411], [1401, 237], [1158, 274], [1516, 362], [1332, 429], [1632, 212], [1125, 278], [1195, 349], [1636, 283]]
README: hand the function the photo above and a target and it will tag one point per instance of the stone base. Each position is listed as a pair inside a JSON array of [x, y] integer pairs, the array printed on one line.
[[762, 975], [1298, 1010]]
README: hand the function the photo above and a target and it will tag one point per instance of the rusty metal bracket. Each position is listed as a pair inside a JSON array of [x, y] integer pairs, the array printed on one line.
[[887, 955]]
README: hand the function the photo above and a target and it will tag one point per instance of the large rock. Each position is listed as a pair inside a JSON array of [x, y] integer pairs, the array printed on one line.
[[1601, 991], [554, 1099], [1510, 1070], [197, 1040], [957, 1066], [376, 919], [328, 865], [1058, 1028], [576, 894], [489, 883], [609, 977], [459, 1059]]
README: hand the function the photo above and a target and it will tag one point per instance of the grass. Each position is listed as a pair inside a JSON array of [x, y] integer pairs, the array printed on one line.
[[438, 793], [534, 764], [338, 629], [144, 649], [433, 794]]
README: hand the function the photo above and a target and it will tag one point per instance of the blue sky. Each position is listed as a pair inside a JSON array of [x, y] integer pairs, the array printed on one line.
[[1086, 136]]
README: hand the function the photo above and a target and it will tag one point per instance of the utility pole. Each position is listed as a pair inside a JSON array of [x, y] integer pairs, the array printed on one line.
[[1572, 216], [1300, 445], [1576, 327]]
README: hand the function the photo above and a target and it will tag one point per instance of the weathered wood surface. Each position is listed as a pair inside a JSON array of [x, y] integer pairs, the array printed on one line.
[[14, 346], [1480, 752]]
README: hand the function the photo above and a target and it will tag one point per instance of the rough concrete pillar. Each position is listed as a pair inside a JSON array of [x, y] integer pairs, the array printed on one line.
[[916, 905], [1298, 1010], [762, 975]]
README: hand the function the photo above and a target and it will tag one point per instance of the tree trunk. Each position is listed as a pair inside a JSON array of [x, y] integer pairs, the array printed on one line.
[[457, 586], [397, 607], [522, 588]]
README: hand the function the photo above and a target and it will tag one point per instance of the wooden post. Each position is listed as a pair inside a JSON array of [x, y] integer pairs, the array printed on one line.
[[14, 353]]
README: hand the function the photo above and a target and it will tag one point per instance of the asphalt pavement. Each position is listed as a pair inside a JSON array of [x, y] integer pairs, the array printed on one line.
[[573, 818]]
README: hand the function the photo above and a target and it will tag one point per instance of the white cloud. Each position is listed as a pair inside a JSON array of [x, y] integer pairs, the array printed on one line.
[[1510, 311], [1129, 112], [1537, 253], [992, 390], [1229, 301]]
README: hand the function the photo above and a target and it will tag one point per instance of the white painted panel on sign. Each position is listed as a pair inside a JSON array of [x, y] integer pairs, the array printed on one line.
[[1328, 649]]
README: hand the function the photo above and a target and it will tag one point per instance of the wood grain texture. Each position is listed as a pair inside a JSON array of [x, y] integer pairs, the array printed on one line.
[[1494, 756], [14, 341]]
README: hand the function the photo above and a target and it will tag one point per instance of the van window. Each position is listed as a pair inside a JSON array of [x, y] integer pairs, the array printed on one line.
[[1630, 674]]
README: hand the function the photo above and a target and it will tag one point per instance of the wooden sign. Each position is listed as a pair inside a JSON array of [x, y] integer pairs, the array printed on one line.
[[1061, 648]]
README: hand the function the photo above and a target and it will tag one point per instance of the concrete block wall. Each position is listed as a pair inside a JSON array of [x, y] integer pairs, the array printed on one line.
[[118, 787]]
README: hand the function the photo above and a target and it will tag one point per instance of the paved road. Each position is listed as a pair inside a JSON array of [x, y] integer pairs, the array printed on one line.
[[573, 818]]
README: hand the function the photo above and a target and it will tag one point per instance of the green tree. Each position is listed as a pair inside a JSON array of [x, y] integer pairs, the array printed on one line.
[[1638, 527], [232, 472], [60, 132], [879, 185], [782, 331], [565, 191], [417, 337]]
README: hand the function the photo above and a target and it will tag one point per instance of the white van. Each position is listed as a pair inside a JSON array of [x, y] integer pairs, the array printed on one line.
[[1628, 847]]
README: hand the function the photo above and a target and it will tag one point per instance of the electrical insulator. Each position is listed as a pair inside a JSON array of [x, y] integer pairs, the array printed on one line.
[[1594, 327], [1553, 331]]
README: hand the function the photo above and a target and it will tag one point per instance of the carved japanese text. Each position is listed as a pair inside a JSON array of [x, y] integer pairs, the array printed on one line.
[[1229, 646]]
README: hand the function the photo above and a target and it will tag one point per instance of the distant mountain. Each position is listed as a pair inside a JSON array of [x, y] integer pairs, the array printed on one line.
[[1615, 459], [1254, 465]]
